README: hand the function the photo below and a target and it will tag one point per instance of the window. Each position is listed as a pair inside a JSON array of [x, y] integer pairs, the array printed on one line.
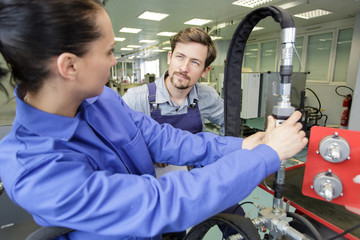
[[342, 55], [268, 55], [250, 57], [151, 67], [318, 56]]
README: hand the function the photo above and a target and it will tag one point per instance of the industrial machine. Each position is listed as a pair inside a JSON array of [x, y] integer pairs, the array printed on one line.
[[273, 218], [325, 181]]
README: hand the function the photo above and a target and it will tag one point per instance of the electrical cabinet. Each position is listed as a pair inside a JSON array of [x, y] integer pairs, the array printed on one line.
[[250, 88]]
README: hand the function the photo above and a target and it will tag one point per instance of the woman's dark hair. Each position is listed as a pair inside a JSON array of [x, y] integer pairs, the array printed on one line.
[[34, 31]]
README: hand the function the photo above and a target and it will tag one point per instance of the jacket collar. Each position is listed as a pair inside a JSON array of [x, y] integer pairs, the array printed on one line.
[[47, 124]]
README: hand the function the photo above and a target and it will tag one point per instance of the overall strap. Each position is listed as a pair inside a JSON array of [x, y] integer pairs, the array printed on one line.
[[152, 95]]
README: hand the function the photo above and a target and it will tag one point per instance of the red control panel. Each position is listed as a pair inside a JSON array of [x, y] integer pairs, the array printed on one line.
[[332, 169]]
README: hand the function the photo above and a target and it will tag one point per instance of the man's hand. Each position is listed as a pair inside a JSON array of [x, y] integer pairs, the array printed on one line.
[[286, 139]]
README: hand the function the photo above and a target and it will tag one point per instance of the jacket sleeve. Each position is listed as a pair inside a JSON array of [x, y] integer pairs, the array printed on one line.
[[170, 145], [63, 188], [64, 192]]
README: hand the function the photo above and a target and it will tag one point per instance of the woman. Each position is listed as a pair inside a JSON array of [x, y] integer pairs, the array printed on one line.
[[78, 157]]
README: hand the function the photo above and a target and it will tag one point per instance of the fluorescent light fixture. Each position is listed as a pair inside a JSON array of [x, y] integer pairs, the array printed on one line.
[[292, 4], [221, 25], [119, 39], [154, 16], [250, 3], [216, 38], [313, 14], [159, 50], [344, 42], [166, 42], [133, 46], [167, 34], [126, 49], [324, 39], [130, 30], [131, 57], [147, 41], [257, 28], [198, 21], [166, 48]]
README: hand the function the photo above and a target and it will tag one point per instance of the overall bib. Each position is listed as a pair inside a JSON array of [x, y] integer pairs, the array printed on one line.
[[190, 121]]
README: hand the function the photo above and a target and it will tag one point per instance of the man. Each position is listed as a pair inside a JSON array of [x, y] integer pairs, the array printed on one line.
[[177, 97]]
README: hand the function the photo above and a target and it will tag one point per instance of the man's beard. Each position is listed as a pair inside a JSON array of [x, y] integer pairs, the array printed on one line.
[[180, 85]]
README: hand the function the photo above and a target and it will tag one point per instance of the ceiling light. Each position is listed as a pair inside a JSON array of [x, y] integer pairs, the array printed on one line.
[[324, 39], [131, 57], [250, 3], [166, 48], [167, 34], [130, 30], [221, 25], [154, 16], [159, 50], [292, 4], [313, 14], [133, 46], [166, 42], [119, 39], [216, 38], [198, 21], [126, 49], [147, 41], [257, 28]]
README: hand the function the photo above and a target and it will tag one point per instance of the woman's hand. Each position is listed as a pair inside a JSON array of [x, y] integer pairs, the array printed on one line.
[[286, 139]]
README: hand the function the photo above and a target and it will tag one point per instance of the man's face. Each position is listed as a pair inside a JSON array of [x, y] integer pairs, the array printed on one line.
[[186, 64]]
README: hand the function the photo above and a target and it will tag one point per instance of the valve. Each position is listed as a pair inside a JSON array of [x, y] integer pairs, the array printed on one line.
[[334, 149], [327, 185]]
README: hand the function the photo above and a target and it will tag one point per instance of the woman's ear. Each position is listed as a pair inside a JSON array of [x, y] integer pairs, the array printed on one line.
[[66, 65]]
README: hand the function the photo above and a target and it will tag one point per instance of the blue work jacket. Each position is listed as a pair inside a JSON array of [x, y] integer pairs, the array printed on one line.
[[94, 173]]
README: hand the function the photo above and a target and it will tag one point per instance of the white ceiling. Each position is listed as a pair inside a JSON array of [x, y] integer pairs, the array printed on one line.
[[124, 13]]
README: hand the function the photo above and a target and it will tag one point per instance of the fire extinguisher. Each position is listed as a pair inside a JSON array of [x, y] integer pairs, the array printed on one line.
[[346, 111]]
